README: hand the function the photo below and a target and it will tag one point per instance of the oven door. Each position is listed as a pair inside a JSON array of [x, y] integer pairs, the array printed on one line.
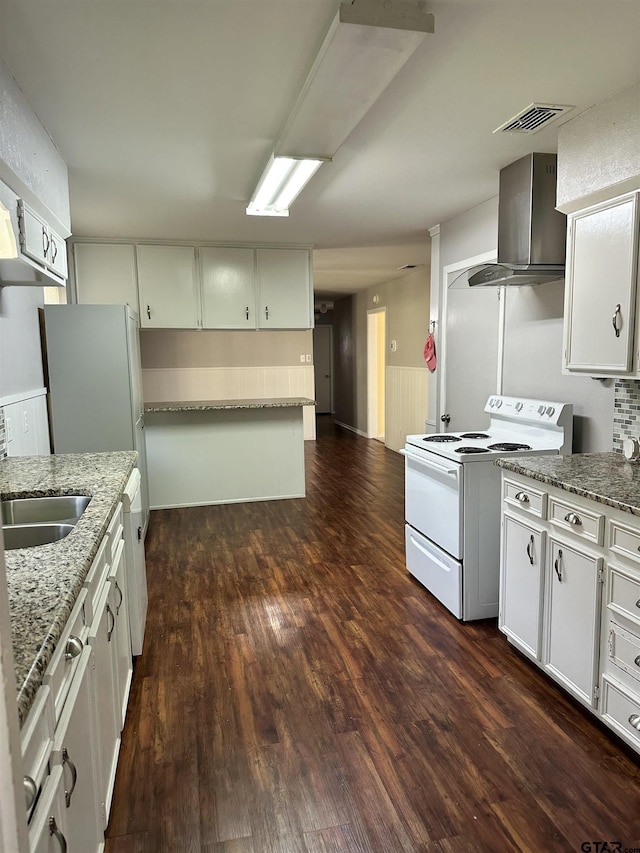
[[433, 499]]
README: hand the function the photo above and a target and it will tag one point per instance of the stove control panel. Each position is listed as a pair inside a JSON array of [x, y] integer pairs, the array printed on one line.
[[514, 408]]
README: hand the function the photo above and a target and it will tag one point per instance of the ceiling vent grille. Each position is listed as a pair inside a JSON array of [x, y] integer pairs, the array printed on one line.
[[533, 117]]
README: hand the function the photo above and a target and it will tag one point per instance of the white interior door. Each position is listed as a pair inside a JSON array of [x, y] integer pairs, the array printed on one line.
[[323, 369], [470, 350]]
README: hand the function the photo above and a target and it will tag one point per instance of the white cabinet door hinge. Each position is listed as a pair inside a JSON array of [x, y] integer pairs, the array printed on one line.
[[596, 694], [600, 575]]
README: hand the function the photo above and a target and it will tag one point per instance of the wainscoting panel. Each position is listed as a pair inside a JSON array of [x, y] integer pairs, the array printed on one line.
[[406, 403], [26, 425], [232, 383]]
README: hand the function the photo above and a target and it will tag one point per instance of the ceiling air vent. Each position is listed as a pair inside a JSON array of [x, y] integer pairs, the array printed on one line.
[[533, 117]]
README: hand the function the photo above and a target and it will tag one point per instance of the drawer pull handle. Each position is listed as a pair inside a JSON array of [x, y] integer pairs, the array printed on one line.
[[113, 624], [637, 661], [572, 518], [523, 497], [530, 544], [73, 648], [53, 830], [634, 720], [30, 791], [74, 776], [557, 565], [119, 605]]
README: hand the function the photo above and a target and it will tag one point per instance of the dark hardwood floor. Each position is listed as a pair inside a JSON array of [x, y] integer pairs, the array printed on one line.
[[299, 693]]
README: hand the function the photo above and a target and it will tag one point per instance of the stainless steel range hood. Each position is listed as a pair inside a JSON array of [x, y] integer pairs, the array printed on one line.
[[531, 232]]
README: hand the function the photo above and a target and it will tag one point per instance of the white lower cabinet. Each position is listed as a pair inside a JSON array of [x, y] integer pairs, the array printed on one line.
[[71, 737], [522, 585], [572, 606], [570, 595]]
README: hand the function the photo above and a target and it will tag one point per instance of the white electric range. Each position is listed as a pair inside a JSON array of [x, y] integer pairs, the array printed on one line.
[[453, 501]]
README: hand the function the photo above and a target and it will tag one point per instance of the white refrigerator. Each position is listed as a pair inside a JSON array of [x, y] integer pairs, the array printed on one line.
[[95, 382]]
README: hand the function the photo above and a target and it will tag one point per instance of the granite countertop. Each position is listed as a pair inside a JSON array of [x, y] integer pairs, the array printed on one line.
[[45, 581], [607, 478], [213, 405]]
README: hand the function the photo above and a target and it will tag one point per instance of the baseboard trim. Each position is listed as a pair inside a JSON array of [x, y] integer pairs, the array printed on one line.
[[352, 429]]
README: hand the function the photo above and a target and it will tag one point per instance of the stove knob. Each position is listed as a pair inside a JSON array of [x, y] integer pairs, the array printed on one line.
[[550, 410], [541, 410], [519, 407], [498, 403]]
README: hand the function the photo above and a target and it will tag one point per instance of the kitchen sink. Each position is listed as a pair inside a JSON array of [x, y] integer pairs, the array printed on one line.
[[28, 511], [30, 535]]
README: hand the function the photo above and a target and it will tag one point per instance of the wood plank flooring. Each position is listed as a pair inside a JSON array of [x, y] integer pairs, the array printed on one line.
[[299, 693]]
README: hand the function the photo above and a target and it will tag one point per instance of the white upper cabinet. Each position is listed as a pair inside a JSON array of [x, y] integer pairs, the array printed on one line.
[[285, 293], [169, 297], [106, 274], [601, 328], [228, 287], [41, 243]]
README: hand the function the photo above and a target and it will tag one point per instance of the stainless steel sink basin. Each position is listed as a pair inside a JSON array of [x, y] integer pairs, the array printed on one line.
[[30, 535], [67, 508]]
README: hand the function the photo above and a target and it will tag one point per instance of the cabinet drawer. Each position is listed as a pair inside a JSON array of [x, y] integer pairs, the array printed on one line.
[[624, 650], [37, 738], [67, 654], [115, 531], [624, 541], [621, 710], [623, 593], [532, 501], [96, 578], [583, 523]]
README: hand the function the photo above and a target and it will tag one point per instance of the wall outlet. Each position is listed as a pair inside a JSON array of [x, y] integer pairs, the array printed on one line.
[[394, 346], [309, 358], [302, 359], [25, 420]]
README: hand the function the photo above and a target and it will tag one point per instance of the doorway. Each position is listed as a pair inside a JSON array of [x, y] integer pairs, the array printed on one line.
[[376, 372], [323, 368]]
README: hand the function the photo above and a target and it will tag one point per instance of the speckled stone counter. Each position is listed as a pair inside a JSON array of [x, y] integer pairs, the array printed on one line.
[[45, 581], [603, 477], [216, 405]]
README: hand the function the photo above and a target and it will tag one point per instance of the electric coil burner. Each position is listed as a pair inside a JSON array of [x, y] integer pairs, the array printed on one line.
[[453, 499]]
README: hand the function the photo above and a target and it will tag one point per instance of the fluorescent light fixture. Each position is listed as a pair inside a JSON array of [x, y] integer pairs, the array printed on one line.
[[367, 43], [280, 184]]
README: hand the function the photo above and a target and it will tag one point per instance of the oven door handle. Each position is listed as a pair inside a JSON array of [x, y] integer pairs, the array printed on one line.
[[429, 463]]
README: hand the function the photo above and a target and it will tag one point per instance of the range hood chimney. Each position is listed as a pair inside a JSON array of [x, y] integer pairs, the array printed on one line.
[[531, 232]]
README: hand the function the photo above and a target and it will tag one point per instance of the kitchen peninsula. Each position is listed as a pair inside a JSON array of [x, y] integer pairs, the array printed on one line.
[[225, 451]]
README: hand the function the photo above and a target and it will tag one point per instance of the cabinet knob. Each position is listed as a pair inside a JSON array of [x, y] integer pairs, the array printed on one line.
[[30, 791], [523, 497], [615, 321], [73, 648], [53, 830], [634, 720], [574, 519], [637, 661]]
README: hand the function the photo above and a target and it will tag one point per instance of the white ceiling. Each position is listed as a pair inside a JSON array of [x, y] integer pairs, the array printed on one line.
[[166, 113]]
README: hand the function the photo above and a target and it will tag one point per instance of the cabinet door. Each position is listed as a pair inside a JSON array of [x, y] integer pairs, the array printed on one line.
[[573, 601], [106, 274], [285, 299], [75, 749], [34, 235], [103, 643], [48, 830], [228, 288], [601, 288], [168, 288], [521, 579], [123, 666]]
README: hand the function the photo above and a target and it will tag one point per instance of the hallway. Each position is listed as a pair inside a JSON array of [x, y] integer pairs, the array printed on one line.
[[299, 693]]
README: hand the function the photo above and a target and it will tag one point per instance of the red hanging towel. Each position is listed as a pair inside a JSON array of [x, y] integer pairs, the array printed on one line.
[[430, 353]]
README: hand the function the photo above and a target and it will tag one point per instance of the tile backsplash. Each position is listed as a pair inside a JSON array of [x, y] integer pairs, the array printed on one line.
[[626, 411], [3, 435]]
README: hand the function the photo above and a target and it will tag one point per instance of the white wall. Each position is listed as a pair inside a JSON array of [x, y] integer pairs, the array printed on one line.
[[20, 350]]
